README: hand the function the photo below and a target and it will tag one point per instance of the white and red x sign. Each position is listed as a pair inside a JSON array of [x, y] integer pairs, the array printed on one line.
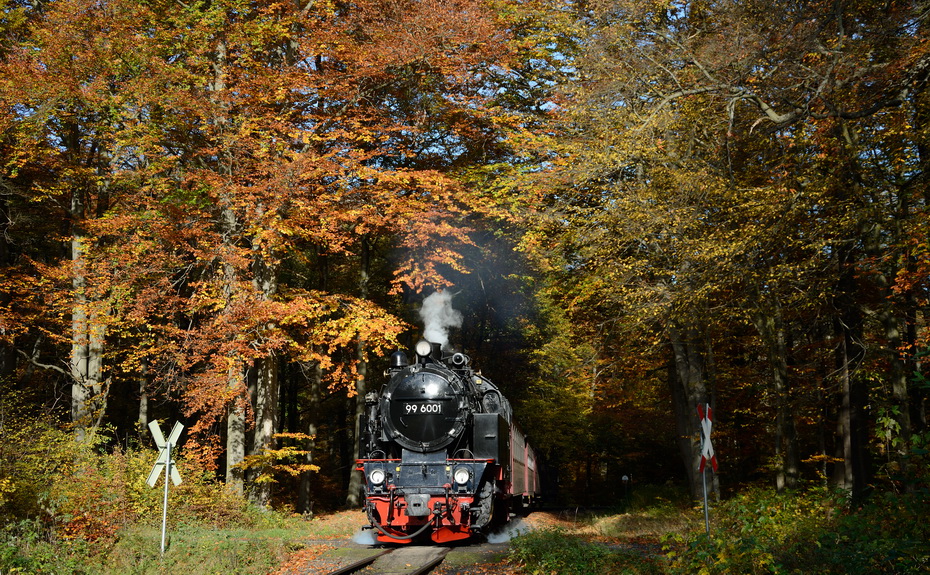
[[164, 454], [707, 448]]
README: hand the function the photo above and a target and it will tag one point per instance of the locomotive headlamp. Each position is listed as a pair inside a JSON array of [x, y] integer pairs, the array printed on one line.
[[376, 477], [461, 475], [424, 348]]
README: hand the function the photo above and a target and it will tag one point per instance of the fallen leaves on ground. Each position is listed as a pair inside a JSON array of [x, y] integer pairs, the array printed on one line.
[[296, 563]]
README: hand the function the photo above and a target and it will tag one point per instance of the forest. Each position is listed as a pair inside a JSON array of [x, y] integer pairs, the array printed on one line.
[[228, 213]]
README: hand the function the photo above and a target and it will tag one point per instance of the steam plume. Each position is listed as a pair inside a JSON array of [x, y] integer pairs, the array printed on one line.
[[364, 537], [438, 316], [512, 529]]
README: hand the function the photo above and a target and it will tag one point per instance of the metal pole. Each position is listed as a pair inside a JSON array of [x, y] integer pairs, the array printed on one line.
[[164, 513], [706, 514]]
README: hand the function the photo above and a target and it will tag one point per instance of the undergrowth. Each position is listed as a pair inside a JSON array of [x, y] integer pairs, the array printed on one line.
[[815, 531], [755, 532], [86, 508]]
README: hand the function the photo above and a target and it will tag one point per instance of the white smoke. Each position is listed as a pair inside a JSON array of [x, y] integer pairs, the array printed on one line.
[[438, 316], [509, 531], [364, 537]]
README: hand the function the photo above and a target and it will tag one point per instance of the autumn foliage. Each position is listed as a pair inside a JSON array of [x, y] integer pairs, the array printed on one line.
[[226, 213], [202, 197], [739, 222]]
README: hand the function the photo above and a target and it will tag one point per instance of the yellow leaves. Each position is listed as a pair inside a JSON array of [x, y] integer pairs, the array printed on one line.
[[6, 488], [285, 459], [207, 297]]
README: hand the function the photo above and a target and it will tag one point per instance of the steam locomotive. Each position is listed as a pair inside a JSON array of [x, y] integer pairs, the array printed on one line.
[[441, 456]]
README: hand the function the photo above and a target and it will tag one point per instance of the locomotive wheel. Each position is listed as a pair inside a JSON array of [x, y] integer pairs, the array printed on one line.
[[501, 510], [484, 501]]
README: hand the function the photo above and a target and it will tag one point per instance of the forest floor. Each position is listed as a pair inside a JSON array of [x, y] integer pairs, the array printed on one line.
[[634, 534], [328, 553]]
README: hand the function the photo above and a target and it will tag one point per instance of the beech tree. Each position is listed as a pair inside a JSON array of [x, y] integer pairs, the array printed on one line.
[[68, 117], [737, 163], [200, 156]]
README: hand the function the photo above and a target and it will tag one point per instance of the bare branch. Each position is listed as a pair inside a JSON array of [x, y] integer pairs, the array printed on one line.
[[34, 361]]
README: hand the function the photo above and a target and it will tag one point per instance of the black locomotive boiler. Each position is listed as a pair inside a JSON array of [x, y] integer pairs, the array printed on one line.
[[441, 456]]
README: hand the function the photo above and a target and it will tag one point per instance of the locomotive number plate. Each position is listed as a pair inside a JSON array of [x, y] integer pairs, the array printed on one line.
[[422, 408]]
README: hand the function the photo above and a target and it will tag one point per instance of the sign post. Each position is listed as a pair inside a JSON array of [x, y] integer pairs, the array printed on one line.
[[171, 471], [707, 454]]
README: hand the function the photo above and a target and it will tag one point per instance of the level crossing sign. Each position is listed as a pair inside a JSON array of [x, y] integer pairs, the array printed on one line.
[[707, 448], [167, 463], [164, 453], [707, 454]]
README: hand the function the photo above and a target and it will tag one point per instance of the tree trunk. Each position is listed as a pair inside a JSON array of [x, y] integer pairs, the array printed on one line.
[[895, 310], [355, 495], [229, 231], [899, 370], [144, 395], [7, 351], [305, 495], [851, 423], [688, 387], [266, 420], [771, 328], [917, 395], [265, 282], [88, 399], [236, 373], [235, 430]]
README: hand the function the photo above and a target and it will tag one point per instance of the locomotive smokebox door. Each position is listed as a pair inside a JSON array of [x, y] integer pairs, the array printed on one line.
[[424, 411]]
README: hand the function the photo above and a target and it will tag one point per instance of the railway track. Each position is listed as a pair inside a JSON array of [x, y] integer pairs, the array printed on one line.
[[401, 561]]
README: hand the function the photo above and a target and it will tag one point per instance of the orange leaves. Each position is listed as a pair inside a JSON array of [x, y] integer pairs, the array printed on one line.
[[88, 527], [207, 160], [442, 33], [322, 323]]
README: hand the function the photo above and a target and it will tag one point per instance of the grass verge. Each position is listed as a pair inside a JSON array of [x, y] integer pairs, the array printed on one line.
[[553, 550], [265, 546], [755, 532]]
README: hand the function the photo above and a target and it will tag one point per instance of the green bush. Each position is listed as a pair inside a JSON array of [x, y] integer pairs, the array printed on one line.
[[101, 492], [34, 453], [889, 534], [29, 546], [200, 551], [809, 532]]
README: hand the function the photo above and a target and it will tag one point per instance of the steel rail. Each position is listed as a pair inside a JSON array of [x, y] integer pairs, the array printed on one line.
[[362, 563], [359, 564], [429, 566]]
